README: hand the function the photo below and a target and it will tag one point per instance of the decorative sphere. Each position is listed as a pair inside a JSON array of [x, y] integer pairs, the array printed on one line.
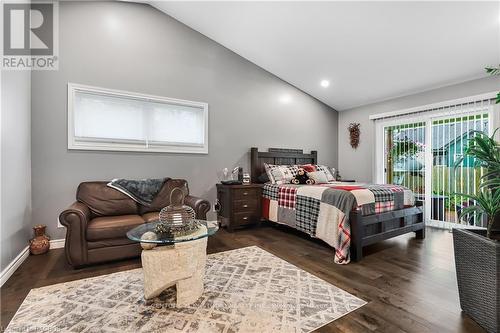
[[149, 236]]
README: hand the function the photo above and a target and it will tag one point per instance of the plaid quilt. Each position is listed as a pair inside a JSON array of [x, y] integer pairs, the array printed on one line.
[[322, 211], [307, 213]]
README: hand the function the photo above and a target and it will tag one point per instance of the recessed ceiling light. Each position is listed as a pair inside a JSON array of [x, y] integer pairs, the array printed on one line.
[[325, 83], [285, 99], [112, 22]]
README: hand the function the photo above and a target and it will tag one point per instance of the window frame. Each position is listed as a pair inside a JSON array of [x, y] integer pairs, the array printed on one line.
[[131, 145], [444, 112]]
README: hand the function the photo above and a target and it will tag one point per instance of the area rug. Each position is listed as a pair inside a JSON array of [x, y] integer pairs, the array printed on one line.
[[246, 290]]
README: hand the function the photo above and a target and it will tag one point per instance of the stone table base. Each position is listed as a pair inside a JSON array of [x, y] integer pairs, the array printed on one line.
[[182, 265]]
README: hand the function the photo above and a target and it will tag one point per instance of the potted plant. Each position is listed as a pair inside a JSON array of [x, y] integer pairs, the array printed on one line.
[[477, 251]]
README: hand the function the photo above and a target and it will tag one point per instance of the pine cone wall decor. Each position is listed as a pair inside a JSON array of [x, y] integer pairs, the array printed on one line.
[[354, 133]]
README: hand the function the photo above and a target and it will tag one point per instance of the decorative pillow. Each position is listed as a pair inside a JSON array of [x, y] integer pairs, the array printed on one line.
[[334, 173], [319, 177], [281, 174], [318, 167], [327, 171], [308, 167]]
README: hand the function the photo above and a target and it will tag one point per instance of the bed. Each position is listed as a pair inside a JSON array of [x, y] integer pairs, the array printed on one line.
[[347, 216]]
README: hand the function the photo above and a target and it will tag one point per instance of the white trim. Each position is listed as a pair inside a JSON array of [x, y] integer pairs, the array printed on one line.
[[74, 144], [428, 174], [22, 256], [57, 243], [14, 265], [430, 107], [450, 225]]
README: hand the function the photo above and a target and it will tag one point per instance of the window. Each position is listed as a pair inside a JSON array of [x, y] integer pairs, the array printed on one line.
[[419, 150], [104, 119]]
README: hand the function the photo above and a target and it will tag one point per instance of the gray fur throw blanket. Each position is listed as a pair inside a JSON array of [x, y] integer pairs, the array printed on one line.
[[142, 191]]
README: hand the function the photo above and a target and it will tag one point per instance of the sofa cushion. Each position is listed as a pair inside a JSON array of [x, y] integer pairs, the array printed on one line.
[[162, 199], [105, 201], [109, 242], [108, 227], [151, 216]]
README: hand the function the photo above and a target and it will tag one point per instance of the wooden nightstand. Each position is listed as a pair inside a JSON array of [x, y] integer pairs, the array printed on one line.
[[239, 205]]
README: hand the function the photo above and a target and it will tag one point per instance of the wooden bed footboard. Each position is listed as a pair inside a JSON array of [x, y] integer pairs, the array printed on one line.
[[370, 229]]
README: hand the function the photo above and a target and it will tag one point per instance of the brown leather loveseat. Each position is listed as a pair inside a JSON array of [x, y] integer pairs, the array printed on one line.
[[98, 221]]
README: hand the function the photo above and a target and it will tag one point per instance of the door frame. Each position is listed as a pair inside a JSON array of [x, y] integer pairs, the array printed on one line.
[[427, 118]]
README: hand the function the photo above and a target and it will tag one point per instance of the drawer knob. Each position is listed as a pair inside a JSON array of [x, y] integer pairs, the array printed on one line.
[[245, 206], [245, 218]]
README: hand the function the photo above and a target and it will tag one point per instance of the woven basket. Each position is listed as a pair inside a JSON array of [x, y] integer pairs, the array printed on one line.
[[477, 261]]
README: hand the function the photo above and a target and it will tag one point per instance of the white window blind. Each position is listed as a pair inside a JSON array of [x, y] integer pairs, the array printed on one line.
[[104, 119], [429, 169]]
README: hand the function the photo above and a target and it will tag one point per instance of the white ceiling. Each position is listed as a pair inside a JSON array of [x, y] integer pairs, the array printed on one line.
[[370, 51]]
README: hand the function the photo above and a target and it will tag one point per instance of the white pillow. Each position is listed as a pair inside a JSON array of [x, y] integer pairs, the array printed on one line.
[[327, 171], [281, 174], [319, 177]]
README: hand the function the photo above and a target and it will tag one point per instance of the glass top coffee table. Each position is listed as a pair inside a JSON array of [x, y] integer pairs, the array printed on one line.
[[169, 261], [205, 229]]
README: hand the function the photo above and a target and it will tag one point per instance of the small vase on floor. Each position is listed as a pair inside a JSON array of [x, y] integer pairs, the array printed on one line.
[[41, 243]]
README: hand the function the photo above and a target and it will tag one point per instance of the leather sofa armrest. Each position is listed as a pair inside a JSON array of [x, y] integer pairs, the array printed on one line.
[[76, 213], [200, 206], [75, 219]]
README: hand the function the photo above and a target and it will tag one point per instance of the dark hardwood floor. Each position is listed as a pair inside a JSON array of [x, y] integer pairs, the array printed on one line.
[[409, 284]]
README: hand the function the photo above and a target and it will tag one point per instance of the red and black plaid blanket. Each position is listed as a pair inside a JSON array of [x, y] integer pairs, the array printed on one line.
[[322, 210]]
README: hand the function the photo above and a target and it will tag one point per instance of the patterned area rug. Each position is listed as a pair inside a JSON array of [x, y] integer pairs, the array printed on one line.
[[246, 290]]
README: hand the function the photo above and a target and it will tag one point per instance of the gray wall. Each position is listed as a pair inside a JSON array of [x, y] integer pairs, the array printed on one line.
[[358, 163], [134, 47], [15, 185]]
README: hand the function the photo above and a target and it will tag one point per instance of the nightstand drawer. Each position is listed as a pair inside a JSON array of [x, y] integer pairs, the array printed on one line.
[[245, 218], [239, 205], [250, 204], [244, 193]]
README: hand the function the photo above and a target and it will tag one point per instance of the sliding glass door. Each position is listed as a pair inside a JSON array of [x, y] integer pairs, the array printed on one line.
[[420, 151], [449, 140], [404, 147]]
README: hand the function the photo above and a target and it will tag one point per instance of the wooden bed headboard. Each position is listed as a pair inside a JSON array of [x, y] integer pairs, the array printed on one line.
[[278, 156]]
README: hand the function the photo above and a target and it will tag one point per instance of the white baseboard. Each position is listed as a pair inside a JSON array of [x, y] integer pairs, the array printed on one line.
[[21, 257], [57, 243], [14, 264]]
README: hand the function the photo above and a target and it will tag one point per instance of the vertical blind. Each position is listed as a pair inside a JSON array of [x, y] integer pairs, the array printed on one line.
[[420, 150], [404, 148]]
